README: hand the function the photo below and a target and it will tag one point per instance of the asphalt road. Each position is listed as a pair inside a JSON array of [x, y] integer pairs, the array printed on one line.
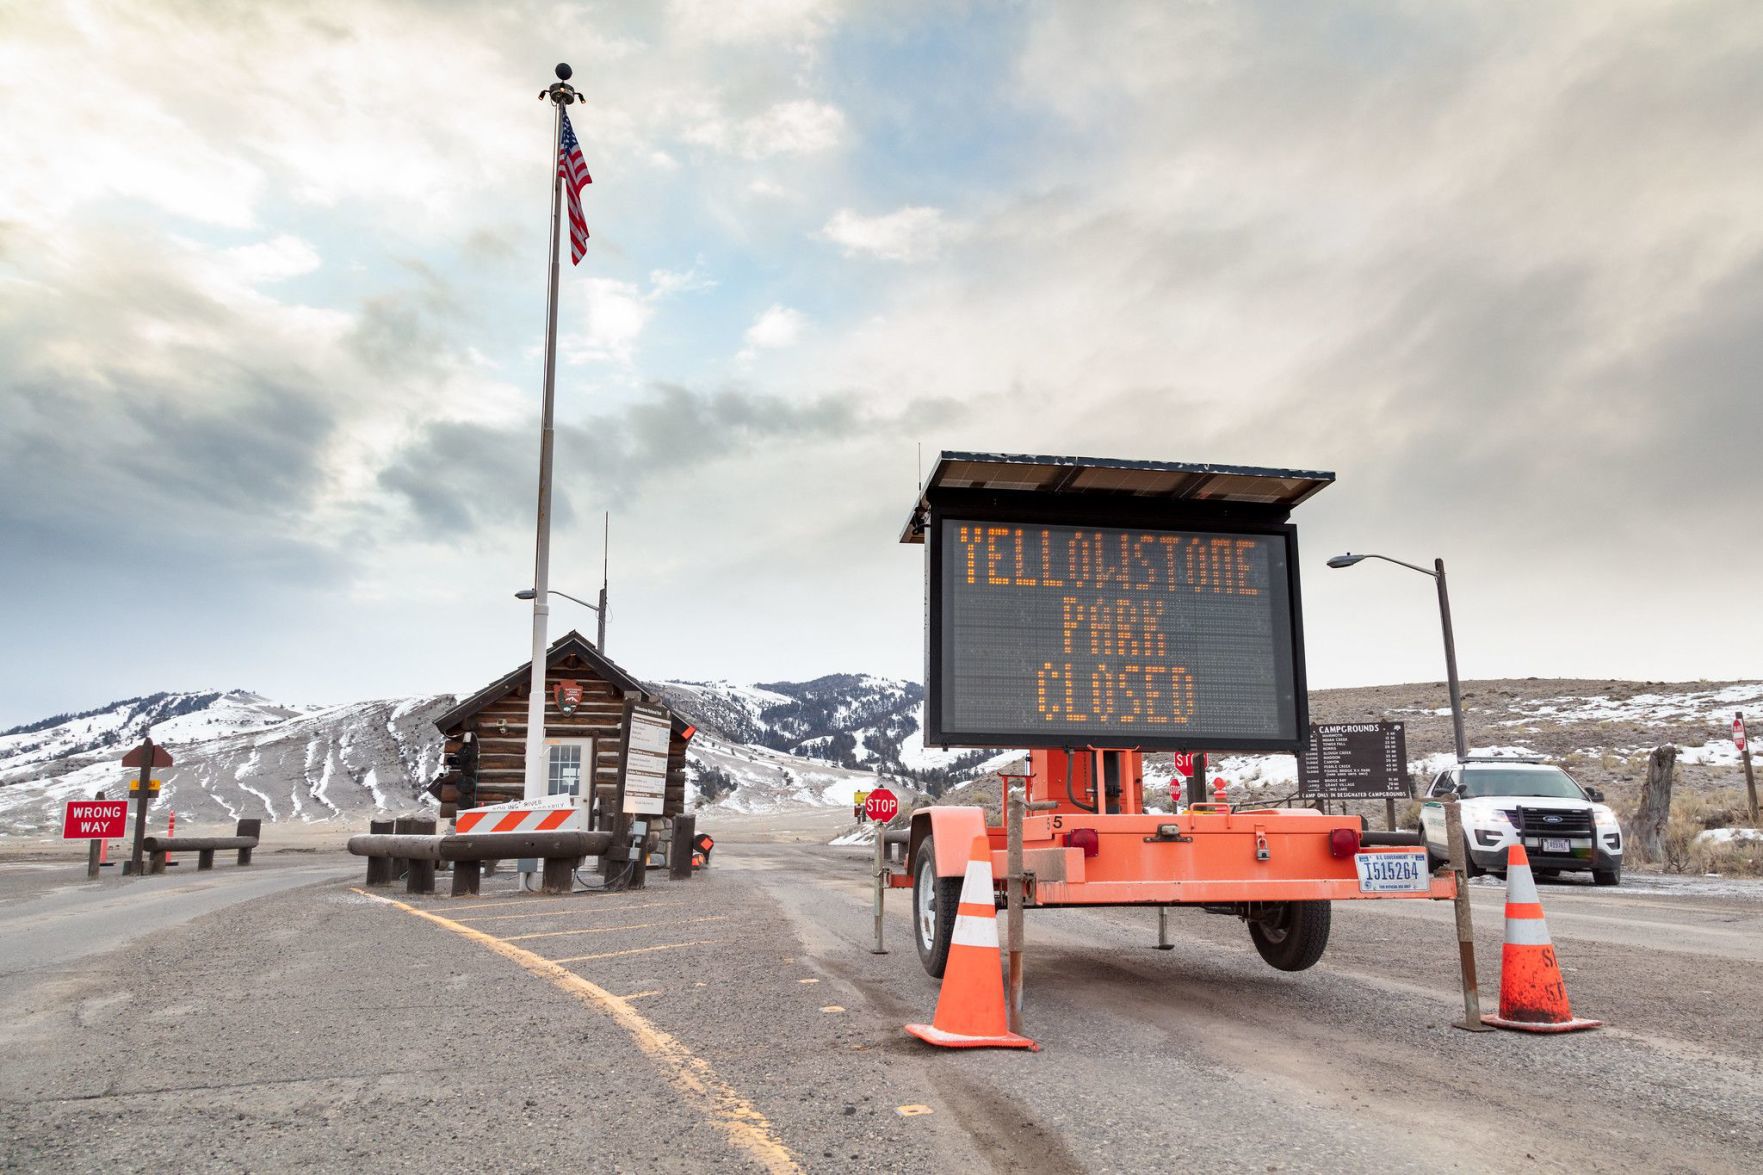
[[276, 1018]]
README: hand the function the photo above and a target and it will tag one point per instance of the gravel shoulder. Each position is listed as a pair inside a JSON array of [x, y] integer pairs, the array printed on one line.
[[319, 1027]]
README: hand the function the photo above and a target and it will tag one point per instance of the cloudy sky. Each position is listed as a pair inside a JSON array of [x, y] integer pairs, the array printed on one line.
[[272, 300]]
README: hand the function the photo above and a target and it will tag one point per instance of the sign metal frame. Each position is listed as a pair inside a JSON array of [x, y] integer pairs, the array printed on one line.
[[1313, 785], [1111, 513], [642, 802]]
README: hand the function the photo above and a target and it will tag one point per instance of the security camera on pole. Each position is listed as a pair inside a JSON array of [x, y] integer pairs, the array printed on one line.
[[568, 175]]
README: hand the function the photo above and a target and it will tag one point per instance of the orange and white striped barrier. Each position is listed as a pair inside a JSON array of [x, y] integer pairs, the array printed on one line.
[[547, 814], [1533, 996], [970, 1008]]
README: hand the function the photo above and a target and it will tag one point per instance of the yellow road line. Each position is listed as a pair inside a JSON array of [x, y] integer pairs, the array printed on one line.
[[511, 900], [610, 929], [558, 913], [734, 1115], [672, 946], [637, 995]]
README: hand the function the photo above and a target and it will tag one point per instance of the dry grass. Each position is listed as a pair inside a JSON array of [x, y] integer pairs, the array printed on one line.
[[1693, 813]]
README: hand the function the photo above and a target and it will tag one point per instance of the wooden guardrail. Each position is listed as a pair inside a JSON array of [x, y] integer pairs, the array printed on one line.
[[562, 853], [157, 847]]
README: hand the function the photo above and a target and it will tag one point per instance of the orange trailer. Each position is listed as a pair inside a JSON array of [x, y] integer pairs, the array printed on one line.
[[1093, 610], [1276, 868]]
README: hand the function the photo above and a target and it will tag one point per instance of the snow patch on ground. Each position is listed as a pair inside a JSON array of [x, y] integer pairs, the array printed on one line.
[[1723, 836]]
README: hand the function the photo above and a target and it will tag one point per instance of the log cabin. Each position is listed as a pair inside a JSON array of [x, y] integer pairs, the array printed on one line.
[[582, 747]]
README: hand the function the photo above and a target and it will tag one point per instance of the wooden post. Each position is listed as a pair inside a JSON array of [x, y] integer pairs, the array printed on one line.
[[379, 869], [880, 881], [400, 826], [1655, 806], [617, 854], [422, 872], [679, 856], [156, 862], [1750, 779], [141, 802], [559, 876], [1465, 928], [95, 849], [252, 828], [465, 878], [205, 859], [1389, 815]]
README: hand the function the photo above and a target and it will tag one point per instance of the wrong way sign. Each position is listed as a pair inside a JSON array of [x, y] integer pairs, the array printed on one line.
[[94, 819]]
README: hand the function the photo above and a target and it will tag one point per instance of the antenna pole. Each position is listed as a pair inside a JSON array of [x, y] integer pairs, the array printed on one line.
[[605, 570]]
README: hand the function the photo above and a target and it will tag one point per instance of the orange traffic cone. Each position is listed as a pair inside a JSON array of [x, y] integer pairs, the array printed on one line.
[[970, 1008], [1532, 996]]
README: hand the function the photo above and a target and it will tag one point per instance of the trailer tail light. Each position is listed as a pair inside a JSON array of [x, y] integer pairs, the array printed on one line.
[[1085, 839], [1343, 842]]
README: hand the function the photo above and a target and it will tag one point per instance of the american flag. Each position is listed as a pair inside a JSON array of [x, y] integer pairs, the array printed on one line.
[[572, 169]]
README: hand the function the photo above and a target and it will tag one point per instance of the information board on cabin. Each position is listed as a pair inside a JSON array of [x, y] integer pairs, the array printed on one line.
[[1060, 635], [642, 766], [1355, 761]]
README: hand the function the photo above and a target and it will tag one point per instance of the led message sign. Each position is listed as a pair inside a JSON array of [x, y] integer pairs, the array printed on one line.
[[1060, 635]]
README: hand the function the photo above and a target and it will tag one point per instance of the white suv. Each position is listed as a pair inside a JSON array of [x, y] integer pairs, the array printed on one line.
[[1563, 826]]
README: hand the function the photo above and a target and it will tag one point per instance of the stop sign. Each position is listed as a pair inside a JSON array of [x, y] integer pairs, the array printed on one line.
[[1738, 732], [1184, 764], [882, 805]]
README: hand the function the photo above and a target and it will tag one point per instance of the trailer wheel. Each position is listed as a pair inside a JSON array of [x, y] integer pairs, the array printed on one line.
[[1291, 936], [934, 901]]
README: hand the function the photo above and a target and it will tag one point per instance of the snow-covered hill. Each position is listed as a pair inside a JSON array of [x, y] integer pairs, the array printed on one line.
[[762, 748], [853, 720], [236, 754]]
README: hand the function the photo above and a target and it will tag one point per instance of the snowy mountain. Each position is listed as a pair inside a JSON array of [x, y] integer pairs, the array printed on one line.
[[779, 745], [851, 720], [235, 754], [56, 745]]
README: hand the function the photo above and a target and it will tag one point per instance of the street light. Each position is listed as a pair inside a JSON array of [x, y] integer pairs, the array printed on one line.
[[1438, 575], [1454, 842], [599, 610]]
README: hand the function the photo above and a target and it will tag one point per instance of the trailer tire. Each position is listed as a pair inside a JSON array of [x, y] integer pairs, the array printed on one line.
[[1291, 936], [934, 901]]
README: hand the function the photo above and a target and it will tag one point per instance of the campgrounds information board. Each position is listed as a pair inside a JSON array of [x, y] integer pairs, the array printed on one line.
[[1063, 635], [643, 762], [1355, 761]]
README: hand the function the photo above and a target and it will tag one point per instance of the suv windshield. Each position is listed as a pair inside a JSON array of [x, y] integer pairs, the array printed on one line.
[[1505, 781]]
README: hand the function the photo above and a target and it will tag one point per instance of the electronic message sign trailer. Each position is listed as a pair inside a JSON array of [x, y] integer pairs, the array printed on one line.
[[1092, 610]]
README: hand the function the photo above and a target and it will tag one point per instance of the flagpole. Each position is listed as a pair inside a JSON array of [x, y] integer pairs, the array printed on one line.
[[561, 94]]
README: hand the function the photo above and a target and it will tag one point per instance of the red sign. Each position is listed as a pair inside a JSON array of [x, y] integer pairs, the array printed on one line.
[[95, 819], [1738, 732], [568, 695], [161, 757], [1184, 763], [882, 805]]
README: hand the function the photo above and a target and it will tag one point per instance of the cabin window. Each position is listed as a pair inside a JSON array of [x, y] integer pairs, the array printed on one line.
[[568, 760]]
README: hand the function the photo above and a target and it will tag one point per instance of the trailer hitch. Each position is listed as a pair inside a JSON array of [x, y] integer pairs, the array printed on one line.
[[1169, 834]]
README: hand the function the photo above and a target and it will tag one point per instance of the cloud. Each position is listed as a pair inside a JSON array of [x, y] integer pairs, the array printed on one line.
[[798, 127], [906, 234], [460, 476], [618, 312], [776, 327], [753, 20]]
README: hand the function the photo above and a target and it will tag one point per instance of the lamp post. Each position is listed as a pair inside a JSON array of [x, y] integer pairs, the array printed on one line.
[[1438, 575], [599, 610], [1453, 821]]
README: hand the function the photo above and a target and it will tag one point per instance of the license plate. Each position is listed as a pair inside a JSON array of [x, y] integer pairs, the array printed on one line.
[[1556, 844], [1400, 872]]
